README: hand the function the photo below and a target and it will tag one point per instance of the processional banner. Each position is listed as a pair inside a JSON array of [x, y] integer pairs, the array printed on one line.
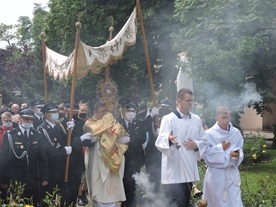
[[92, 58]]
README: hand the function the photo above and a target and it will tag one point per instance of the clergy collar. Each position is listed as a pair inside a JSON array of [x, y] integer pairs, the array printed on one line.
[[183, 116]]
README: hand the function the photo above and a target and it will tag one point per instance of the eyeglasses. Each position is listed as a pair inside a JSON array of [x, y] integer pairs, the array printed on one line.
[[189, 100], [226, 117]]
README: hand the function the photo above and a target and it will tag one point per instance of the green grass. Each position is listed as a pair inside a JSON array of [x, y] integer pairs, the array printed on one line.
[[258, 184], [253, 173]]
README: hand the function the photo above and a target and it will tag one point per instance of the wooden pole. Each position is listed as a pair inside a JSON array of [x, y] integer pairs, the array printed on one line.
[[147, 54], [44, 67], [72, 101], [107, 72]]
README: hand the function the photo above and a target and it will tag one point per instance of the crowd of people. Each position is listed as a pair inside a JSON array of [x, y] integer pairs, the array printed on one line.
[[107, 149]]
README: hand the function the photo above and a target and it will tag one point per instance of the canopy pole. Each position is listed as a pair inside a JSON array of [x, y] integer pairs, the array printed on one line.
[[147, 55], [44, 67], [107, 72], [72, 101]]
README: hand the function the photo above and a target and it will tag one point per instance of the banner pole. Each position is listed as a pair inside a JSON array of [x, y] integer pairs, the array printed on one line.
[[72, 101], [44, 67], [107, 72], [147, 55]]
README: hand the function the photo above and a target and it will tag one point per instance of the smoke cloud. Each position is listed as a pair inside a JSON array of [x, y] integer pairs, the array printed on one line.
[[146, 188], [235, 101]]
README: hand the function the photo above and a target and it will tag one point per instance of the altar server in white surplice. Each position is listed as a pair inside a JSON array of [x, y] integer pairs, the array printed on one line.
[[182, 141], [223, 156]]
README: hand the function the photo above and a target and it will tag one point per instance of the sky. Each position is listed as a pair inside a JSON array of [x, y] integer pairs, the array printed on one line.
[[11, 10]]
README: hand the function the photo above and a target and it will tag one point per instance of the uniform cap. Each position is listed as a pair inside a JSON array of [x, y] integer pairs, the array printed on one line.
[[5, 109], [129, 105], [126, 102], [50, 107], [26, 113], [38, 103], [67, 104], [166, 103]]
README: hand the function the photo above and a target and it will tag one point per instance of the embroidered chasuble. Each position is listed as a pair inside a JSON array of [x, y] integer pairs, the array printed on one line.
[[107, 130]]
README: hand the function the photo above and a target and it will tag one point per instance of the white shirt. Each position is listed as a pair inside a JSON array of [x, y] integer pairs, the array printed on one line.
[[23, 130]]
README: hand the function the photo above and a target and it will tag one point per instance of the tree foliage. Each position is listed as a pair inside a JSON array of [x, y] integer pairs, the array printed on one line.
[[14, 64], [6, 33], [229, 44], [96, 17]]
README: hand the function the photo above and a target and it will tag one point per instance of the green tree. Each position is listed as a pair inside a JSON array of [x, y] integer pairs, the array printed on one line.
[[96, 16], [21, 61], [14, 62], [23, 31], [229, 44], [6, 33]]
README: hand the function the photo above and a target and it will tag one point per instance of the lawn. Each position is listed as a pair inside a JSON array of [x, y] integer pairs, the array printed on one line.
[[259, 182]]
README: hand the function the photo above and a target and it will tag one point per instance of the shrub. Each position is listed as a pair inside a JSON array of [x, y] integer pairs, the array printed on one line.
[[254, 148]]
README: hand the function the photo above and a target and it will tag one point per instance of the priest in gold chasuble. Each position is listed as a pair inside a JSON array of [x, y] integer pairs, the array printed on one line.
[[105, 159]]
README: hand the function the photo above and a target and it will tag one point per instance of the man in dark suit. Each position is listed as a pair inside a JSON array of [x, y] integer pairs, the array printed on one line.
[[134, 156], [76, 161], [56, 149], [23, 158], [38, 115], [153, 155]]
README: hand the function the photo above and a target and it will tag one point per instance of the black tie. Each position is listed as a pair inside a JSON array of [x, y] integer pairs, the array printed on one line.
[[129, 125], [41, 119], [26, 134]]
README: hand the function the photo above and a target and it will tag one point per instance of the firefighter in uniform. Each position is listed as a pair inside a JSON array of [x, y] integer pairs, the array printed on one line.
[[38, 115], [23, 157], [134, 156], [153, 155], [56, 149]]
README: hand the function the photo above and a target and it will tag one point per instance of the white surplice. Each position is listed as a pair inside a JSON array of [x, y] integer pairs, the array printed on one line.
[[221, 186], [180, 165]]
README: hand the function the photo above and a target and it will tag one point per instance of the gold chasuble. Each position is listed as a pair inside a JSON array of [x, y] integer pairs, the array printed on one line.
[[107, 130]]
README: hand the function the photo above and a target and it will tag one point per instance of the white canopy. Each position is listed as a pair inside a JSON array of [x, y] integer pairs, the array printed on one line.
[[92, 58]]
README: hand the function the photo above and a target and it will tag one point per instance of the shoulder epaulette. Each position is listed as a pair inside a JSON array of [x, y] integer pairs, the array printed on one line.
[[60, 120], [62, 127], [36, 130], [11, 130]]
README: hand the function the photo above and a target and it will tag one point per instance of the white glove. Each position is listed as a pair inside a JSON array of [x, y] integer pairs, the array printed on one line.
[[85, 136], [70, 124], [154, 111], [94, 139], [123, 140], [68, 150]]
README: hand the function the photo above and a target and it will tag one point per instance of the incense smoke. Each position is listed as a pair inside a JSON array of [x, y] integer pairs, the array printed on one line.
[[235, 101], [150, 198]]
